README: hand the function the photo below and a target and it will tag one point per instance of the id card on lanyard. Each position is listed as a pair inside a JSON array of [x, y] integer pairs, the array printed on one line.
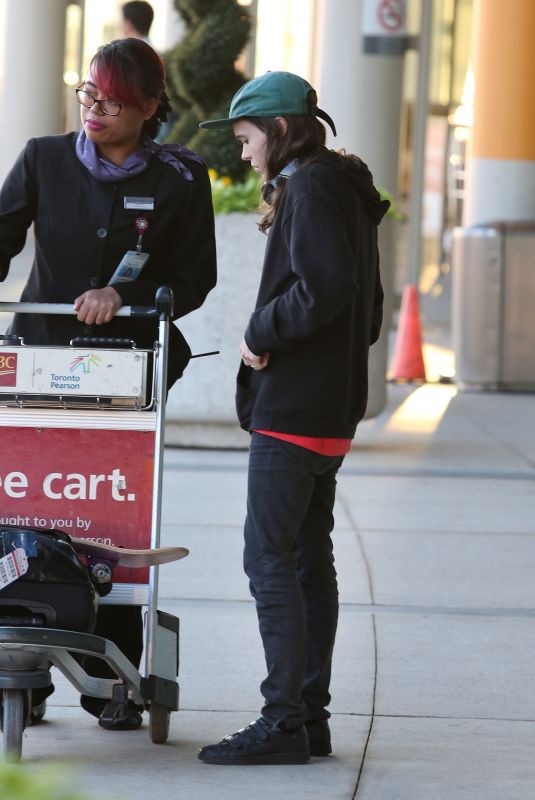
[[133, 261]]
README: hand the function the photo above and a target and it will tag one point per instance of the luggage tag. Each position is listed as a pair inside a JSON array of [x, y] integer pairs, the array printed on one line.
[[133, 261], [13, 566]]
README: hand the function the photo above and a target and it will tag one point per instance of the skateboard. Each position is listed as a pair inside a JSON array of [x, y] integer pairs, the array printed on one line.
[[124, 557]]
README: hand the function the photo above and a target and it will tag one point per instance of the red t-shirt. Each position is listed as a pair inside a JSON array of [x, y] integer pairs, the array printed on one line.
[[324, 445]]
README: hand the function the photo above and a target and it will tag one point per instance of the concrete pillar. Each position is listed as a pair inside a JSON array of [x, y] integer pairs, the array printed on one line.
[[501, 171], [361, 92], [363, 95], [31, 103]]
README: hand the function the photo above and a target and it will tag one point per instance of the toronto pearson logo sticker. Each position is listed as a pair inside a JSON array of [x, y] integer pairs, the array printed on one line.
[[85, 364]]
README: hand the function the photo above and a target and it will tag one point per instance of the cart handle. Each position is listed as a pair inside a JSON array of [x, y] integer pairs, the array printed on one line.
[[102, 341], [68, 310]]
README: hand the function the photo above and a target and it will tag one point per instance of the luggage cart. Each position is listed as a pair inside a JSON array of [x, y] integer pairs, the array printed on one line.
[[82, 432]]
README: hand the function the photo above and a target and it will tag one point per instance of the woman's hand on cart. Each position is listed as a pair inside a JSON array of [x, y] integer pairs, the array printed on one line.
[[97, 306]]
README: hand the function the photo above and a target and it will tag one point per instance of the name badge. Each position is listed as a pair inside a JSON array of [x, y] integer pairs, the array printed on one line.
[[131, 265], [139, 203]]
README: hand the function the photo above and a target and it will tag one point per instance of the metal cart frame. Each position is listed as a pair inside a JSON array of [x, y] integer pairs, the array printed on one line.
[[26, 653]]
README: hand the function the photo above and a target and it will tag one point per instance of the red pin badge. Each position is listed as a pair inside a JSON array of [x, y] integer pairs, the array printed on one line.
[[142, 224]]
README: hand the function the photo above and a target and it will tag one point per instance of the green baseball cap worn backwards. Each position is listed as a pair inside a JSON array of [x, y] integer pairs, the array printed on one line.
[[275, 94]]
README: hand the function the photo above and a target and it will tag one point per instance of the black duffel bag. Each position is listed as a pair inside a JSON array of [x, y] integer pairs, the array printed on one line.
[[56, 591]]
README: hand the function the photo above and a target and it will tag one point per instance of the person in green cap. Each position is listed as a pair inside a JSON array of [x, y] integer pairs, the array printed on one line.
[[301, 390]]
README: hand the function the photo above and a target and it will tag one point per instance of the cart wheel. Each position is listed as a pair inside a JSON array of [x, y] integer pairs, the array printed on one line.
[[13, 724], [158, 723], [37, 713]]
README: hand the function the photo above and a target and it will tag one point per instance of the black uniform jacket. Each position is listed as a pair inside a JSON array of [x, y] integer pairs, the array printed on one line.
[[82, 231], [319, 304]]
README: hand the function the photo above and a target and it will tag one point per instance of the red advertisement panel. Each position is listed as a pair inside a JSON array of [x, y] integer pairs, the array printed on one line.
[[94, 484]]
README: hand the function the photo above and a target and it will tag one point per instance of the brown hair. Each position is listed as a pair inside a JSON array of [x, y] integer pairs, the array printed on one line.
[[304, 137], [140, 14]]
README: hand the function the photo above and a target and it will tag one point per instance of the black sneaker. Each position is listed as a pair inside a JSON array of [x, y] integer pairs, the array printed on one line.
[[261, 742], [125, 717], [319, 737], [128, 718]]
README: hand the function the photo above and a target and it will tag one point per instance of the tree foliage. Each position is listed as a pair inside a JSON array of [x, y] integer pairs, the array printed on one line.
[[203, 78]]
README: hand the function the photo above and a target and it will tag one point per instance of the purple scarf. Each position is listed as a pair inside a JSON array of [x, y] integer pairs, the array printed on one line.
[[105, 170]]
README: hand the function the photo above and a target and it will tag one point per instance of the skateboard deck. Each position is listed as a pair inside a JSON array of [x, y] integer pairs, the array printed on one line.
[[124, 557]]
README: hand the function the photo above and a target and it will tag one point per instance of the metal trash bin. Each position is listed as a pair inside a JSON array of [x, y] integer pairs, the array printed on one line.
[[493, 297]]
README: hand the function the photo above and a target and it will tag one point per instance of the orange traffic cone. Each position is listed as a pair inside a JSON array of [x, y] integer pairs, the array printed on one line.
[[408, 362]]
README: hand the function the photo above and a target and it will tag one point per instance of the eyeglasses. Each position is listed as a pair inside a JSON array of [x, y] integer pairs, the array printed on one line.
[[110, 107]]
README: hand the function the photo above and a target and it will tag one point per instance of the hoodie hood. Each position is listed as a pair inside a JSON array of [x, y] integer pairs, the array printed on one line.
[[360, 176]]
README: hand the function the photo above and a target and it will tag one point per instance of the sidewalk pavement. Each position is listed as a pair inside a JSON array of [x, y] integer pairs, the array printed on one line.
[[433, 677]]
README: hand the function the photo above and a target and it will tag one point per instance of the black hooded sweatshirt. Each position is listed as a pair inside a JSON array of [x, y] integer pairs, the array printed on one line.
[[319, 305]]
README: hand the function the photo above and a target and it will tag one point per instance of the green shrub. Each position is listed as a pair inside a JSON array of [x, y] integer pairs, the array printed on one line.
[[230, 196], [17, 782], [393, 211], [202, 79]]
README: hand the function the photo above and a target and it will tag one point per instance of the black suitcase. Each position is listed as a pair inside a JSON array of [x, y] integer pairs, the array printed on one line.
[[56, 591]]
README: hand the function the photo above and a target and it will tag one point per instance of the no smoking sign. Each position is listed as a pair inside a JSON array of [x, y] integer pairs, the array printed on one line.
[[391, 15], [384, 25]]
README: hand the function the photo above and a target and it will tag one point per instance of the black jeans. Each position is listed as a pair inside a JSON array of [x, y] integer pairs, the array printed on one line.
[[288, 559]]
